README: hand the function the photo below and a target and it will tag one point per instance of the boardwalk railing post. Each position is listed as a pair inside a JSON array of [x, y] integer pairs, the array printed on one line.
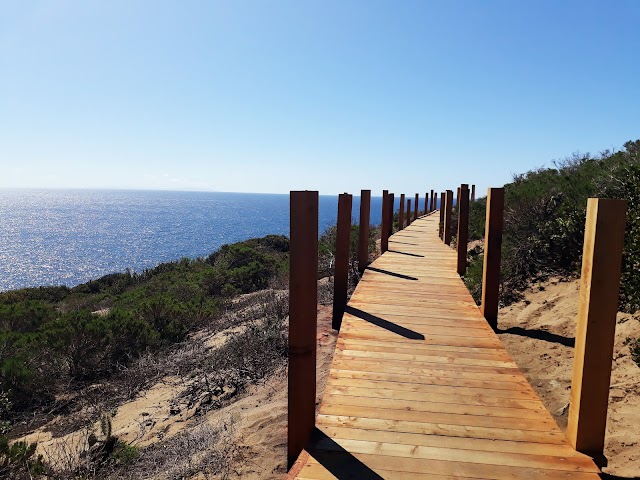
[[432, 205], [401, 213], [303, 301], [596, 325], [463, 229], [415, 208], [341, 275], [458, 197], [391, 211], [426, 203], [363, 240], [448, 206], [492, 253], [473, 193], [441, 224], [384, 228], [408, 212]]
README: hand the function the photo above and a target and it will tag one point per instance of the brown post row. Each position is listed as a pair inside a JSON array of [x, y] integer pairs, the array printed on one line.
[[492, 253], [401, 213], [596, 325], [384, 228], [432, 204], [303, 301], [408, 212], [415, 208], [363, 240], [463, 229], [473, 193], [391, 211], [441, 224], [341, 275], [448, 206]]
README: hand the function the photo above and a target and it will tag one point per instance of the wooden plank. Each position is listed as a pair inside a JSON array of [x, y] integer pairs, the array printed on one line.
[[421, 387]]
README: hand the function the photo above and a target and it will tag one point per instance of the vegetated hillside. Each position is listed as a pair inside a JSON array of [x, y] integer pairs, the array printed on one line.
[[186, 337], [544, 223]]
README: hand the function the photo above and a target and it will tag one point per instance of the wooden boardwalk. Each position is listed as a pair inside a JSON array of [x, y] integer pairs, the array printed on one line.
[[421, 387]]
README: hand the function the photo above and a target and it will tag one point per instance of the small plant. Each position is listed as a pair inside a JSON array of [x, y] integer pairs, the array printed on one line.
[[634, 349], [18, 458], [125, 454]]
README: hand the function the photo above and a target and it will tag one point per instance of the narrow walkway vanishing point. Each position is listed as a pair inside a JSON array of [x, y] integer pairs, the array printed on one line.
[[421, 387]]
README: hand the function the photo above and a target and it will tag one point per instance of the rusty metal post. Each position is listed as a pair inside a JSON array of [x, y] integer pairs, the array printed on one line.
[[441, 224], [432, 205], [408, 212], [363, 240], [401, 213], [458, 197], [463, 229], [384, 228], [492, 253], [448, 206], [596, 326], [473, 193], [415, 208], [426, 203], [303, 301], [341, 275]]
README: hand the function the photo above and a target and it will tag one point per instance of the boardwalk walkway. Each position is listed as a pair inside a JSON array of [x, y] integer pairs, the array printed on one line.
[[420, 386]]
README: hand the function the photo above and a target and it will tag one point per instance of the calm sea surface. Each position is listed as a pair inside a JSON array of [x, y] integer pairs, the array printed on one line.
[[67, 237]]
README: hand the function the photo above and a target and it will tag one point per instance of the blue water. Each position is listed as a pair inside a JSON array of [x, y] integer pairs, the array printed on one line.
[[67, 237]]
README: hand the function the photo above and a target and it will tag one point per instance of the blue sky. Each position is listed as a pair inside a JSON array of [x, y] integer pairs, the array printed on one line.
[[324, 95]]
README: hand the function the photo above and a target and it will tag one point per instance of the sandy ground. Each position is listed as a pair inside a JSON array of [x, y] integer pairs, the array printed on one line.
[[539, 331], [261, 417]]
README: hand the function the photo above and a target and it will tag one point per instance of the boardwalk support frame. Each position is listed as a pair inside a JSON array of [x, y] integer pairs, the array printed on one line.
[[596, 325], [303, 300]]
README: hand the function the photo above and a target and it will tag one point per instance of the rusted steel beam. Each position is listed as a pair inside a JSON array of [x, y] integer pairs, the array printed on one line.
[[401, 213], [303, 300]]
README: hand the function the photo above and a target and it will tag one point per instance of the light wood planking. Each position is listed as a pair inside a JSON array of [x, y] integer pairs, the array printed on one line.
[[421, 387]]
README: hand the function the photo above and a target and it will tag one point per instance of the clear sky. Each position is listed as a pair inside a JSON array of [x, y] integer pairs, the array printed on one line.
[[269, 96]]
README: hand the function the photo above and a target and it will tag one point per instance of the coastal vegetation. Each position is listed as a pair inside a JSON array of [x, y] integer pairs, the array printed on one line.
[[544, 220], [102, 342]]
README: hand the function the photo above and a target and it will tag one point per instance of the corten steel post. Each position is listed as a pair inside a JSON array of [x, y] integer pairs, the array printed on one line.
[[384, 228], [473, 193], [432, 204], [415, 208], [426, 203], [303, 300], [401, 213], [341, 276], [363, 240], [596, 325], [391, 211], [463, 229], [458, 197], [408, 212], [441, 224], [492, 253]]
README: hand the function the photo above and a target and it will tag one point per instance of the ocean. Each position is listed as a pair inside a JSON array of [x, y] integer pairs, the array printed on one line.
[[67, 237]]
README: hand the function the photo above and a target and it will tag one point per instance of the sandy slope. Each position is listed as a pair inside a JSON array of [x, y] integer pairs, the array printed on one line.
[[538, 332]]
